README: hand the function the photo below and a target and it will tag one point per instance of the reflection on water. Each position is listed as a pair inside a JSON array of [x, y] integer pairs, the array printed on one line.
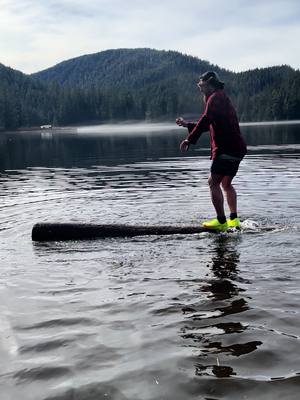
[[179, 317], [226, 298], [120, 144]]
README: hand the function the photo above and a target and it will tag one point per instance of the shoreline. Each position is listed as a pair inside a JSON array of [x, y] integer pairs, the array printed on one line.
[[123, 124]]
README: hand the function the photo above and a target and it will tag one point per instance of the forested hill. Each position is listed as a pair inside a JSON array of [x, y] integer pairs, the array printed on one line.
[[23, 100], [141, 84], [124, 69]]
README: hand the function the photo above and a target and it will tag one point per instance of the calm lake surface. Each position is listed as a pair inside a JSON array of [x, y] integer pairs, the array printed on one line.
[[150, 318]]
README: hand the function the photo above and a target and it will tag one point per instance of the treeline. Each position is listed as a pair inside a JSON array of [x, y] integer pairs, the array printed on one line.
[[138, 84], [267, 94]]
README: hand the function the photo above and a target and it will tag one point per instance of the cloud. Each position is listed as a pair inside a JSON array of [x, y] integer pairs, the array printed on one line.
[[241, 49], [237, 34]]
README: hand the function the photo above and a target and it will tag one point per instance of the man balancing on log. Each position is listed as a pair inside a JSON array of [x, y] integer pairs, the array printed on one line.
[[227, 147]]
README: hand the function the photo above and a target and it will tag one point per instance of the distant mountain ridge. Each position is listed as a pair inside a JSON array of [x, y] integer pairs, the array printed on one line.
[[127, 68], [141, 84]]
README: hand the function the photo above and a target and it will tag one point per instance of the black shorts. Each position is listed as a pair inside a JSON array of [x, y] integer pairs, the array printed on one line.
[[226, 167]]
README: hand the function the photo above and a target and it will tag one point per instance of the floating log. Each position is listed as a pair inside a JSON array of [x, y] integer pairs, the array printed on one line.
[[42, 232]]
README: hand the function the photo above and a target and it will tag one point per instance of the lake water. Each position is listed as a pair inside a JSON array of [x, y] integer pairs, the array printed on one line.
[[150, 318]]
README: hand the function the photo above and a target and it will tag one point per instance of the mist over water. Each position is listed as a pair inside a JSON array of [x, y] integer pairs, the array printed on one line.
[[178, 317], [119, 144]]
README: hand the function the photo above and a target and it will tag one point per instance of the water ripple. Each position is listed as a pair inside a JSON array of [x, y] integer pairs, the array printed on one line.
[[155, 317]]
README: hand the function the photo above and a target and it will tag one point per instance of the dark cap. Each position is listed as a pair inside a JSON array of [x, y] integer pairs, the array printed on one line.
[[213, 78]]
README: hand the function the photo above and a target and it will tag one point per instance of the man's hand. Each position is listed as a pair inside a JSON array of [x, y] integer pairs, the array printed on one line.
[[181, 122], [184, 146]]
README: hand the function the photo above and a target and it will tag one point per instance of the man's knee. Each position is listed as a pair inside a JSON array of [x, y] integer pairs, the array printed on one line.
[[226, 186], [213, 181]]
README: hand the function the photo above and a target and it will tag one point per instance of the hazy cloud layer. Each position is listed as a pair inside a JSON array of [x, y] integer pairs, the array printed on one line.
[[235, 34]]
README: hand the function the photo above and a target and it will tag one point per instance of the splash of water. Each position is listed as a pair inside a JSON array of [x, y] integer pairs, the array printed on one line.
[[249, 225]]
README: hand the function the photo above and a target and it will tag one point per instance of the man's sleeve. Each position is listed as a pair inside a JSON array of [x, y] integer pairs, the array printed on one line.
[[191, 126], [196, 130]]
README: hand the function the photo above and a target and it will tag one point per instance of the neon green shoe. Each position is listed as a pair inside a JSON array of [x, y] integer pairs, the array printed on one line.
[[234, 223], [215, 225]]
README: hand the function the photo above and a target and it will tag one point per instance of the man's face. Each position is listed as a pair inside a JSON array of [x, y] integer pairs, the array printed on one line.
[[204, 87]]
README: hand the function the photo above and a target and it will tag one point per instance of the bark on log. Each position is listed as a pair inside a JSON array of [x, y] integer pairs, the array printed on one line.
[[79, 231]]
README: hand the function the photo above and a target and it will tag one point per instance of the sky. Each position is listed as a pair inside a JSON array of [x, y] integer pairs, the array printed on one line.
[[234, 34]]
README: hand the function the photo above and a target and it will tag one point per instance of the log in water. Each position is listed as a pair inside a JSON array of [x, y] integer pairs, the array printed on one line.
[[80, 231]]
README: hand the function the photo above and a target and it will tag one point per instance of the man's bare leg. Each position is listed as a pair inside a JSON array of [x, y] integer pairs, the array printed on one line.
[[230, 193], [216, 194]]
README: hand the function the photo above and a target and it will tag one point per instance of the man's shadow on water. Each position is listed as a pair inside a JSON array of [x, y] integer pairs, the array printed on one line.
[[224, 297]]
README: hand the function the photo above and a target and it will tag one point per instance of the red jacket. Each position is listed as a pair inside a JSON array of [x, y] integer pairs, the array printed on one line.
[[219, 117]]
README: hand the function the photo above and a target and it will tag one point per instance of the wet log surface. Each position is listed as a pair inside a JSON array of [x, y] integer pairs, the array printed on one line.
[[80, 231]]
